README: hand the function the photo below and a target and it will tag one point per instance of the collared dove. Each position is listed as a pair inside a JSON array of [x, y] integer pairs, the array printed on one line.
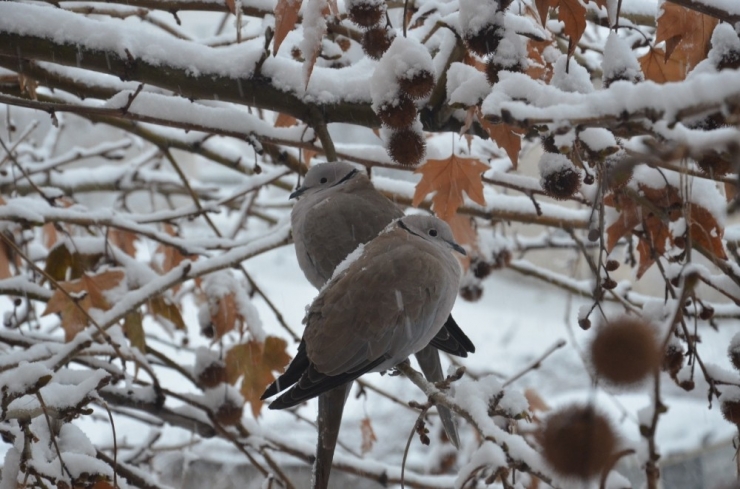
[[384, 306], [338, 210]]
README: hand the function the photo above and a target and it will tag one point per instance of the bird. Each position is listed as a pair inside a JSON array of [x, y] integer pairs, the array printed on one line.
[[337, 209], [385, 305]]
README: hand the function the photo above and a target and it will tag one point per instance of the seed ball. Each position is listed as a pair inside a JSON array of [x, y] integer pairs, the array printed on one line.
[[577, 441], [734, 351], [376, 41], [625, 352], [213, 375], [471, 293], [558, 176], [481, 269], [713, 165], [229, 414], [406, 147], [672, 360], [611, 265], [419, 85], [399, 113], [485, 41], [366, 14]]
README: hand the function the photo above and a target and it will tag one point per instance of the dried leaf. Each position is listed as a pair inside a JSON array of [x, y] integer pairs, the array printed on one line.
[[573, 15], [226, 316], [61, 264], [133, 328], [368, 436], [285, 120], [538, 68], [317, 32], [256, 363], [162, 309], [656, 69], [687, 34], [231, 5], [536, 403], [51, 236], [465, 235], [543, 8], [449, 178], [5, 254], [124, 240], [506, 137], [286, 15], [91, 289]]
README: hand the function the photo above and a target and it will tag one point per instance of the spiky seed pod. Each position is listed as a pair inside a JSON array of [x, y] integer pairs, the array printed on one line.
[[399, 113], [714, 165], [485, 41], [213, 375], [406, 147], [611, 265], [558, 176], [366, 14], [584, 324], [229, 414], [618, 171], [471, 292], [419, 85], [481, 269], [730, 402], [734, 351], [625, 352], [493, 68], [376, 41], [672, 360], [577, 441]]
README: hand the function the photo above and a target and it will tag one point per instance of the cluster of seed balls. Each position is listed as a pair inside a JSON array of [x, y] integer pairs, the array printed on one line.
[[405, 145], [579, 441]]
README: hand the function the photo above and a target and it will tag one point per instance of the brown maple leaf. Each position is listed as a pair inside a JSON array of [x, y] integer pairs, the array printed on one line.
[[255, 363], [449, 178], [573, 15], [286, 15], [87, 292], [466, 235], [507, 138], [687, 34], [226, 315], [657, 69]]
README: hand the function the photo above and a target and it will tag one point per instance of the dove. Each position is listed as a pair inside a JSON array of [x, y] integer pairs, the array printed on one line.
[[386, 304]]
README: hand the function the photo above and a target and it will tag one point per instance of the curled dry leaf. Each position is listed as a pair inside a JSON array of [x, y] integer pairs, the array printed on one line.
[[286, 15], [88, 293], [507, 138], [166, 313], [368, 435], [256, 363], [687, 34]]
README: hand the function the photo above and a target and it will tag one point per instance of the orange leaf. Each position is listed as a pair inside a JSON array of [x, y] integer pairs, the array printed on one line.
[[255, 362], [543, 8], [91, 289], [573, 15], [449, 178], [465, 235], [226, 316], [285, 120], [368, 436], [286, 15], [163, 309], [133, 328], [538, 68], [231, 5], [655, 68], [687, 34], [4, 261], [124, 240], [506, 137]]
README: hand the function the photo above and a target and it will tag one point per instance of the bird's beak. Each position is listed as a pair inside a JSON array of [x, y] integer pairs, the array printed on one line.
[[298, 192], [457, 248]]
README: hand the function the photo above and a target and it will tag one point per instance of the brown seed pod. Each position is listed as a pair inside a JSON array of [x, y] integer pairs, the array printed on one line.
[[611, 265], [485, 41], [471, 292], [417, 86], [625, 352], [407, 147], [399, 113], [713, 165], [578, 441], [731, 410], [672, 360], [734, 351], [480, 268], [376, 41], [558, 176], [229, 414], [213, 375], [366, 14]]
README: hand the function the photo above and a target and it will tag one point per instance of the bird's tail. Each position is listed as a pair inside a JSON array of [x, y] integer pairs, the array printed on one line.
[[428, 359], [331, 406]]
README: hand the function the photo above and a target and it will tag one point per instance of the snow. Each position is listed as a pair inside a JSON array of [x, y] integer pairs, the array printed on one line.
[[725, 41], [551, 163], [466, 86], [570, 76], [405, 58], [597, 139], [478, 14], [487, 455], [619, 60]]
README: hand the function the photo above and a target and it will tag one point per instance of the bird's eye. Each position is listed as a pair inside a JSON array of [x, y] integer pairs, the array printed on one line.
[[323, 180], [432, 233]]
